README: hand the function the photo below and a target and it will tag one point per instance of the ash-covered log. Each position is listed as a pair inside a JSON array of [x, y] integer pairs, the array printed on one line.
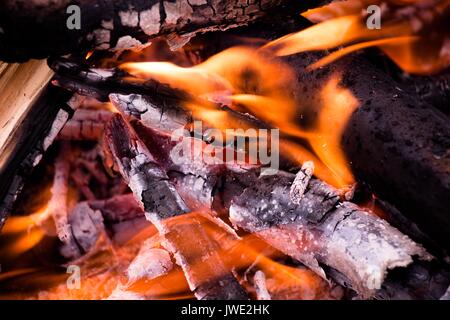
[[329, 235], [206, 274], [38, 29]]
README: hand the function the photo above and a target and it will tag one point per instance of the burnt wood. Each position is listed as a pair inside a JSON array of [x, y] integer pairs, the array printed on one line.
[[434, 90], [34, 135], [194, 251], [396, 141], [325, 233], [38, 29]]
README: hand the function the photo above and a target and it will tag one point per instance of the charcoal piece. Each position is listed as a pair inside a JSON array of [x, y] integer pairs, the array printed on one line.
[[38, 29]]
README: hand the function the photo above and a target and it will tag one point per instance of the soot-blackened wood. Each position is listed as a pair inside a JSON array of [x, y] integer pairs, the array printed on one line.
[[399, 146], [143, 97], [26, 146], [434, 90], [99, 83], [38, 29], [194, 251]]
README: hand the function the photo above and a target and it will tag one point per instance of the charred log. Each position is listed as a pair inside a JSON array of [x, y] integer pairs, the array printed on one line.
[[395, 142], [99, 83], [315, 226], [38, 29], [400, 148], [188, 242]]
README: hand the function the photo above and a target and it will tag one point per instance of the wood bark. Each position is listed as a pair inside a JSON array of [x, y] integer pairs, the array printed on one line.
[[38, 29]]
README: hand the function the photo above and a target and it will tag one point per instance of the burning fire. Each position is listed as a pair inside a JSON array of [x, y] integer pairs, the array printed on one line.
[[259, 84], [103, 273], [413, 33], [26, 232], [255, 82]]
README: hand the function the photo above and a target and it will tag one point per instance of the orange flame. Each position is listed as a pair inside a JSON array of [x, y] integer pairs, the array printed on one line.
[[102, 273], [414, 33], [338, 105], [26, 232], [254, 82]]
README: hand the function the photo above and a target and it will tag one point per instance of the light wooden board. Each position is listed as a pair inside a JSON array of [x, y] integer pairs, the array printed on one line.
[[20, 85]]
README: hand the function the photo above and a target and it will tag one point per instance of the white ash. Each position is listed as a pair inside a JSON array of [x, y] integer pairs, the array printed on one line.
[[176, 10], [122, 294], [129, 18], [301, 182], [368, 247], [149, 263], [259, 281], [166, 118], [86, 226], [128, 42], [61, 118], [149, 20]]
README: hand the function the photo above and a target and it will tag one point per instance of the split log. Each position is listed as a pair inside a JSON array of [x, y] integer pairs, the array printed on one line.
[[32, 114], [316, 228], [188, 242], [38, 29]]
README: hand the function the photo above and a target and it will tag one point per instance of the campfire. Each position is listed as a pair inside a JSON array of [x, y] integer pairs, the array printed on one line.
[[228, 150]]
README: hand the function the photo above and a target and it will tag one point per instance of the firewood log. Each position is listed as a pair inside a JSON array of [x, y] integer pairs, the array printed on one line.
[[32, 114], [396, 142], [319, 229], [396, 174], [38, 29], [188, 242]]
